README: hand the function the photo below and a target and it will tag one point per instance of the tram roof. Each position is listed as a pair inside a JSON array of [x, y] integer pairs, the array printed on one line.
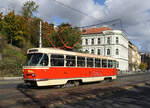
[[59, 51]]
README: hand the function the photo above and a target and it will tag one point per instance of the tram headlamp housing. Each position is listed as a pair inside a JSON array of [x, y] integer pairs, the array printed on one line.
[[33, 75]]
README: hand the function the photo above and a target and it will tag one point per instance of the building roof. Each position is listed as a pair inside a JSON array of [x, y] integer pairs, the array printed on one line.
[[95, 30]]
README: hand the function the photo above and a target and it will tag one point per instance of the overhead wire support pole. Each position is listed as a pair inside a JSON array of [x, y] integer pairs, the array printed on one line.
[[40, 39]]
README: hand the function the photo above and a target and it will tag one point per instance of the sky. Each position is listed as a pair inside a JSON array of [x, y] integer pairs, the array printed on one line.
[[131, 16]]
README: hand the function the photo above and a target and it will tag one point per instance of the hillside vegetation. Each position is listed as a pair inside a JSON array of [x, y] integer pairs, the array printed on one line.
[[12, 61], [21, 32]]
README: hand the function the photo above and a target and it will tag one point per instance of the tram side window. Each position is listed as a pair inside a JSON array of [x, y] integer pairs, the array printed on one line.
[[57, 60], [114, 64], [97, 62], [70, 61], [104, 63], [117, 63], [81, 61], [110, 63], [89, 62], [44, 60]]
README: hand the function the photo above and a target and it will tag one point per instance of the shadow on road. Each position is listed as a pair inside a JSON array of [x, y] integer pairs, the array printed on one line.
[[27, 91], [137, 97]]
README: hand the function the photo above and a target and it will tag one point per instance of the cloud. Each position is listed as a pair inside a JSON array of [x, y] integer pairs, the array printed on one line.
[[50, 8], [135, 19], [134, 14], [8, 5]]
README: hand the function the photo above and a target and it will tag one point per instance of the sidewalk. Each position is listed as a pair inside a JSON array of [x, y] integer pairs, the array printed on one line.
[[11, 78]]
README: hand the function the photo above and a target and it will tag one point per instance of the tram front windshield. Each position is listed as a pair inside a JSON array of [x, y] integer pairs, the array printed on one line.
[[37, 59]]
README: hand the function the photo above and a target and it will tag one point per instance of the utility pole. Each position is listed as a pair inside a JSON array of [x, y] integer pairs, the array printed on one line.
[[40, 39]]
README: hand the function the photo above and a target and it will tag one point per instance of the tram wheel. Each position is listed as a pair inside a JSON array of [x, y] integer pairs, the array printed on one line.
[[108, 80], [68, 84], [76, 83]]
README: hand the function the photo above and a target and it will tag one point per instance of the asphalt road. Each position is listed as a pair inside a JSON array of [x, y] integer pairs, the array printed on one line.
[[138, 97], [13, 96], [10, 84]]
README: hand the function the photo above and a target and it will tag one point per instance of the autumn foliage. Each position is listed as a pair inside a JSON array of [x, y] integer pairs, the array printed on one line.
[[23, 30]]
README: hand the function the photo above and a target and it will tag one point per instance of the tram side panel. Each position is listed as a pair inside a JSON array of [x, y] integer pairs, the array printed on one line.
[[60, 75]]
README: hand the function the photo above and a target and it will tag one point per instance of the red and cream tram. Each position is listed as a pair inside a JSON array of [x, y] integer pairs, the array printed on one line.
[[49, 66]]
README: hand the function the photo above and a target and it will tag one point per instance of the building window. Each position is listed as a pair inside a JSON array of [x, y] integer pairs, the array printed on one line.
[[108, 51], [92, 42], [117, 51], [92, 51], [86, 51], [86, 41], [117, 40], [99, 41], [98, 52], [108, 40]]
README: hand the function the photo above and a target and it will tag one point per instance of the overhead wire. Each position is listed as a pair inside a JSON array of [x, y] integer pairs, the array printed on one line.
[[85, 14], [76, 10]]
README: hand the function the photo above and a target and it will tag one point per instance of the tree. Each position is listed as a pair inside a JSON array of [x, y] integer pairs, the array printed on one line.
[[135, 64], [10, 26], [47, 31], [15, 27], [22, 38], [28, 8], [66, 37], [70, 36], [34, 25], [143, 66]]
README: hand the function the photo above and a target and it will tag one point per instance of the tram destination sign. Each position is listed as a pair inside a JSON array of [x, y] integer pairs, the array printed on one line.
[[33, 50]]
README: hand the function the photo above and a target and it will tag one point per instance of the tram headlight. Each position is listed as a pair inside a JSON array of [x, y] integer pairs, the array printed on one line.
[[33, 75]]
